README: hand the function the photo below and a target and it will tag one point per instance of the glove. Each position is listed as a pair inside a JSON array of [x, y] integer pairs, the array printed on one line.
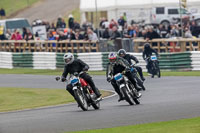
[[57, 78], [109, 79], [63, 79]]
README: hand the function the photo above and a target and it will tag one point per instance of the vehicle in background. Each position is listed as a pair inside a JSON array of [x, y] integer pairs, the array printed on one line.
[[169, 15], [16, 23]]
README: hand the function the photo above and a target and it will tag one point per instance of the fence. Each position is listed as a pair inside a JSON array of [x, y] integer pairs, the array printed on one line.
[[169, 45], [97, 61], [49, 46], [74, 46]]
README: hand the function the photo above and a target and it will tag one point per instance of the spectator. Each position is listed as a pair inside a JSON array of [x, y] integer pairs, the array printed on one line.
[[106, 34], [115, 33], [174, 32], [112, 24], [59, 23], [71, 21], [121, 22], [162, 31], [130, 33], [16, 36], [78, 36], [2, 13], [91, 35], [105, 24], [188, 33], [51, 37], [63, 24], [24, 32], [71, 35], [76, 25], [194, 29], [28, 35]]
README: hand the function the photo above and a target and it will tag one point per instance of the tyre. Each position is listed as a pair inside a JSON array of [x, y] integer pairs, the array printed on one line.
[[81, 100], [127, 95], [165, 23], [134, 94], [140, 83], [159, 74], [96, 105]]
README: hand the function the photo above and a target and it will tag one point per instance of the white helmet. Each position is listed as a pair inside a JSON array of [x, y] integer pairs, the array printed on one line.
[[68, 58]]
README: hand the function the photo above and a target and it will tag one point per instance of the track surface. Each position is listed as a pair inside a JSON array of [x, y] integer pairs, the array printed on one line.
[[168, 98], [49, 10]]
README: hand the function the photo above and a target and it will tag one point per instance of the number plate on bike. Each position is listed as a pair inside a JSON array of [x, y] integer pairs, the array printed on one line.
[[74, 81], [153, 58], [118, 77]]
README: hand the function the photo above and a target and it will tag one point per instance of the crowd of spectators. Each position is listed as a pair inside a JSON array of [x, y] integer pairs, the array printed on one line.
[[107, 30]]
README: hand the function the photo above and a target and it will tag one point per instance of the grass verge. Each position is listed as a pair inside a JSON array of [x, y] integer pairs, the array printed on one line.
[[25, 98], [12, 6], [59, 72], [177, 126]]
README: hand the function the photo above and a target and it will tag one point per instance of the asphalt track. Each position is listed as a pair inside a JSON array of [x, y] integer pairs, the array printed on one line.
[[167, 98]]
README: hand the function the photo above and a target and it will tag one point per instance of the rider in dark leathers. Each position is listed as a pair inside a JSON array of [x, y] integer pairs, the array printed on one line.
[[76, 65], [118, 65], [122, 53], [147, 55]]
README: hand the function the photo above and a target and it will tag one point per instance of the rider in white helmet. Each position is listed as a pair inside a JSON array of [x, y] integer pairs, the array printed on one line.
[[76, 65]]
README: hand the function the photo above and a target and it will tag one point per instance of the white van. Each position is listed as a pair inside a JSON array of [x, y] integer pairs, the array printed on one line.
[[166, 15]]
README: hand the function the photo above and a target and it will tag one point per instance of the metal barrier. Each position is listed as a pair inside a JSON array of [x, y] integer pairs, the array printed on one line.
[[169, 45], [49, 46]]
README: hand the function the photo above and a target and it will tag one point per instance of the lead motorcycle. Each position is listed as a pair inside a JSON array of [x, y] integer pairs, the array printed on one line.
[[83, 93], [126, 88]]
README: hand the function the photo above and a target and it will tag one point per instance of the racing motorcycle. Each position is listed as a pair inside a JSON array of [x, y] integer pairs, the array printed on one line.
[[83, 93], [126, 88], [136, 76], [155, 66]]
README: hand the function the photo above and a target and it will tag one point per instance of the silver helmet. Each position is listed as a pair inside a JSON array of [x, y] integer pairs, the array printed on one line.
[[68, 58]]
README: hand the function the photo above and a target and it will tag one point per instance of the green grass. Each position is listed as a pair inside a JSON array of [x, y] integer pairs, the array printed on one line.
[[11, 6], [25, 98], [177, 126], [59, 72]]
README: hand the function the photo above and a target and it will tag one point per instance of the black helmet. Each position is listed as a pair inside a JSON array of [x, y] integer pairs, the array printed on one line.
[[122, 52], [146, 46]]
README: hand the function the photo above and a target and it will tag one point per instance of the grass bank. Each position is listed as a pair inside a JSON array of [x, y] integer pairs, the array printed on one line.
[[25, 98], [12, 6], [177, 126]]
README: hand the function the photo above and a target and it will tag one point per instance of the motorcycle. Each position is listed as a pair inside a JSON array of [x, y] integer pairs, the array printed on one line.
[[155, 67], [83, 93], [136, 76], [127, 89]]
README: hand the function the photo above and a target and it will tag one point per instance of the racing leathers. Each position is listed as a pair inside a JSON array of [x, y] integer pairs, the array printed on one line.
[[77, 66], [147, 55], [129, 57], [118, 67]]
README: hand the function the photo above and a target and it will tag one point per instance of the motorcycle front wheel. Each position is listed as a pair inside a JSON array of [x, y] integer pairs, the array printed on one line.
[[81, 99]]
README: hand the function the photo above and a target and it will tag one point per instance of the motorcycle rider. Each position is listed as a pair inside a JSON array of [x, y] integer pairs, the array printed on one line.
[[76, 65], [147, 53], [122, 53], [117, 65]]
